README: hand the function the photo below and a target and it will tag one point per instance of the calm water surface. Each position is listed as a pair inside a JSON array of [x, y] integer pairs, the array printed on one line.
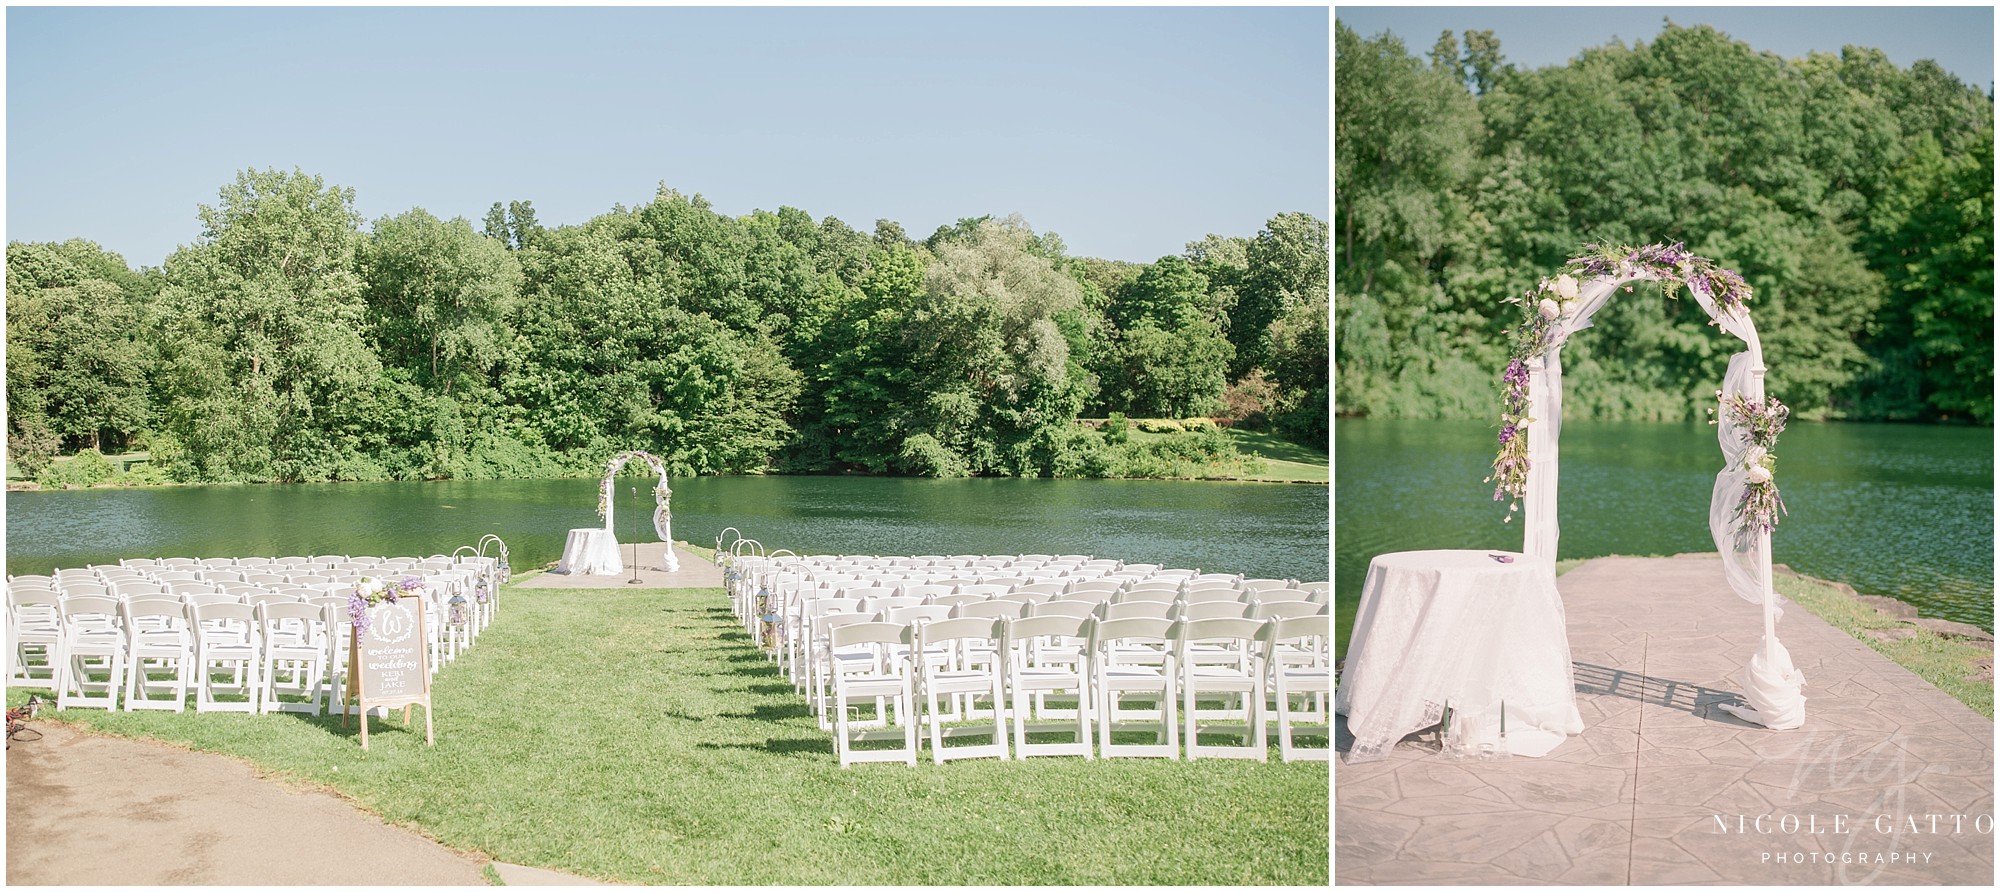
[[1256, 529], [1898, 510]]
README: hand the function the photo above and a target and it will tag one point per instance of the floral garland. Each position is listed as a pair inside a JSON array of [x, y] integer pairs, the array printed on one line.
[[1761, 421], [661, 494], [370, 592], [1552, 300]]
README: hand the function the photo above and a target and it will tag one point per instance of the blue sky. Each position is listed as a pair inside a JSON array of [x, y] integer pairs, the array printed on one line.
[[1960, 39], [1128, 131]]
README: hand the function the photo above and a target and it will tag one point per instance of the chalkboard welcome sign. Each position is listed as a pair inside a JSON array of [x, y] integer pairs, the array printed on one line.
[[387, 663]]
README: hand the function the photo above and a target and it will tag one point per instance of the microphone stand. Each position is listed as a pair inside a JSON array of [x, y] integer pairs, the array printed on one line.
[[635, 549]]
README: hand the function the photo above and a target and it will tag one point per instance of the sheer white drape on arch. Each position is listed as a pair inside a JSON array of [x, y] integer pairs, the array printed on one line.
[[663, 517], [1772, 685]]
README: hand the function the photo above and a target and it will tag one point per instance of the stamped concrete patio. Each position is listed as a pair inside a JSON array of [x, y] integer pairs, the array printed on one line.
[[1634, 799], [694, 572]]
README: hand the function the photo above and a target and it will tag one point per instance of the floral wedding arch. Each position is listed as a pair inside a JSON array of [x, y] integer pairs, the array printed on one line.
[[1744, 506], [663, 518]]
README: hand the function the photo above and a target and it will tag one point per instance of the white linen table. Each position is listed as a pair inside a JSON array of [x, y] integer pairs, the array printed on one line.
[[1465, 628], [591, 551]]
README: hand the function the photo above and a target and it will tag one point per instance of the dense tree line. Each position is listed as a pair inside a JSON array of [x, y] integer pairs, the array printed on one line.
[[1855, 196], [290, 343]]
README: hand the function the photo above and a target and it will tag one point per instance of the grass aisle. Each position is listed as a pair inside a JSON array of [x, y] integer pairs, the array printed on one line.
[[638, 736]]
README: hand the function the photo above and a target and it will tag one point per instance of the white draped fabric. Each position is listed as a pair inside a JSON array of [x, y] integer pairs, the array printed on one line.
[[1771, 683], [590, 551], [1465, 628], [663, 518]]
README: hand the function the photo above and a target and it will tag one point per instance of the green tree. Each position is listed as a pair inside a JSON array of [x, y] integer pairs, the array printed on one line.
[[512, 225], [615, 348], [992, 365], [267, 371], [77, 367], [438, 297], [1939, 225]]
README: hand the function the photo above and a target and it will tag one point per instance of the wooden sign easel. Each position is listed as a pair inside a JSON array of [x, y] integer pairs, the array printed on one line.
[[390, 665]]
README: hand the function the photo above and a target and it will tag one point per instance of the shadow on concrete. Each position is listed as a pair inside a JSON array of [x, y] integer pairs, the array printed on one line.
[[1694, 699]]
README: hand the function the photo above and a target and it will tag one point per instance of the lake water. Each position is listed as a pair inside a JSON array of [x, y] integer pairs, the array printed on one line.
[[1271, 530], [1898, 510]]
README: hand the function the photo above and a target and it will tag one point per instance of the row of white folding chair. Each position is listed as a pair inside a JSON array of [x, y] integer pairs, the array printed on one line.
[[447, 638], [309, 661], [750, 571], [808, 642], [33, 616], [904, 668], [128, 643], [766, 574], [982, 600]]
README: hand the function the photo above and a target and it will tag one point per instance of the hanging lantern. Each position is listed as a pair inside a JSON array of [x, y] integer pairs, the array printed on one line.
[[455, 612]]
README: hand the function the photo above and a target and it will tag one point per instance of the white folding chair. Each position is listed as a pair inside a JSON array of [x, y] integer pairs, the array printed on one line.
[[226, 639], [93, 643], [81, 588], [1045, 655], [294, 654], [823, 659], [1205, 595], [1150, 590], [1130, 609], [997, 608], [1234, 666], [158, 640], [958, 662], [34, 623], [339, 635], [1215, 610], [1064, 607], [883, 678], [983, 589], [1046, 587], [1128, 656], [1106, 586], [1286, 609], [1300, 665]]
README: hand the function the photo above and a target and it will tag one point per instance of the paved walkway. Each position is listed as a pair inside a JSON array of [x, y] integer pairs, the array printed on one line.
[[87, 809], [694, 572], [92, 809], [1634, 799]]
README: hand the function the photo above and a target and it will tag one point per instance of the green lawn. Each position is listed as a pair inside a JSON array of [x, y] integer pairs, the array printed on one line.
[[1286, 460], [1283, 460], [638, 736], [1944, 662]]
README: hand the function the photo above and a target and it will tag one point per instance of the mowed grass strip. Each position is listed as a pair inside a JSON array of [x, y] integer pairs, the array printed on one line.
[[638, 736]]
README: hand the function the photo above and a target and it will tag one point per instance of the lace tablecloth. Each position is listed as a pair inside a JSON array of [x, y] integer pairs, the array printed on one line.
[[1464, 628], [591, 551]]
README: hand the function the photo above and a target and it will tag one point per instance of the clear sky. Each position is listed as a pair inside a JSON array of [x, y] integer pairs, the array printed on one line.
[[1128, 131], [1959, 39]]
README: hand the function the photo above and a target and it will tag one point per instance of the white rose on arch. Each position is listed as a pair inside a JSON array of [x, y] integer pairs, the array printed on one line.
[[1566, 287], [1548, 308], [1759, 475]]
